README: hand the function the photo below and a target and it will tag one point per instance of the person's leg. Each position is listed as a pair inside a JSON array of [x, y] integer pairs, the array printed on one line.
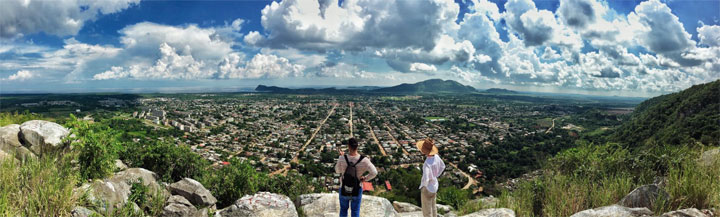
[[344, 205], [355, 205], [424, 203], [433, 205]]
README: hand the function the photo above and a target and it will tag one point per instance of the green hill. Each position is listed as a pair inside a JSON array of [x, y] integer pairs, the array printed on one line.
[[689, 116], [429, 86]]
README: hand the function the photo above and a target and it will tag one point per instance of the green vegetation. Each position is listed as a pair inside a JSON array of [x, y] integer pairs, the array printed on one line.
[[18, 118], [38, 187]]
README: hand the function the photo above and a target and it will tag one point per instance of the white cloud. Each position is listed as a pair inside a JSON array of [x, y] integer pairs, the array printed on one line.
[[422, 67], [20, 76], [355, 25], [580, 13], [666, 34], [709, 35], [20, 17], [260, 66], [550, 54]]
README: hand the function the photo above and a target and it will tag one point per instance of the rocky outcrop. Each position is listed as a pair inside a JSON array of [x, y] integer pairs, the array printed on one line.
[[644, 196], [262, 204], [692, 212], [327, 204], [113, 192], [10, 142], [195, 192], [614, 211], [495, 212], [405, 207], [80, 211], [443, 208], [42, 136], [178, 206], [120, 166], [709, 157]]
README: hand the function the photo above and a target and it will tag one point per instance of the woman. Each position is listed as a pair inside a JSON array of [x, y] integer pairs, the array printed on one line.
[[432, 169], [351, 167]]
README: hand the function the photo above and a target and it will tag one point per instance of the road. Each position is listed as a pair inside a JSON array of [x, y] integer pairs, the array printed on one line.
[[382, 150], [395, 140], [302, 149], [551, 127], [351, 120]]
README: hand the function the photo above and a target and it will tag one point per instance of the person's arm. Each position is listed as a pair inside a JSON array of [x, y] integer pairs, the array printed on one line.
[[372, 171], [441, 167], [340, 165]]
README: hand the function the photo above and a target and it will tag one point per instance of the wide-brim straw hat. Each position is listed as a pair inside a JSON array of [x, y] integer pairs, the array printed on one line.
[[427, 146]]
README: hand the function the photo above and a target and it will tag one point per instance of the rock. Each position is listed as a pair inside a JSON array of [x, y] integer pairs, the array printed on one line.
[[120, 166], [692, 212], [178, 206], [4, 156], [443, 208], [10, 142], [405, 207], [42, 136], [193, 191], [262, 204], [327, 204], [411, 214], [709, 157], [644, 196], [80, 211], [614, 211], [113, 192], [494, 212]]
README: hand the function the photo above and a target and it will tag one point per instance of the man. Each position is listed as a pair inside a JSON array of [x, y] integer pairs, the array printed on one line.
[[432, 169], [351, 167]]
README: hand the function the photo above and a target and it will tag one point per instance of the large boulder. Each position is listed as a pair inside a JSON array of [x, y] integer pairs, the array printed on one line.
[[614, 211], [113, 192], [178, 206], [405, 207], [644, 196], [494, 212], [80, 211], [692, 212], [327, 204], [42, 136], [262, 204], [10, 142], [709, 157], [195, 192]]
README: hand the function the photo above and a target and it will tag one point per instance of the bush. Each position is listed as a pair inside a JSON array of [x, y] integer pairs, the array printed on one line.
[[171, 162], [97, 146], [231, 182], [453, 196]]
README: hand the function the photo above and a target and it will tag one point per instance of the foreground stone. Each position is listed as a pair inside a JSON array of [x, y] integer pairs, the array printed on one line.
[[614, 211], [194, 191], [262, 204], [178, 206], [709, 157], [327, 204], [443, 208], [80, 211], [10, 142], [113, 192], [495, 212], [692, 212], [405, 207], [644, 196], [43, 136]]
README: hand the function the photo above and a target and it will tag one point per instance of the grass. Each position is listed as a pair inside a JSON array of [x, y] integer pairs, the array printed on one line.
[[37, 187], [554, 194]]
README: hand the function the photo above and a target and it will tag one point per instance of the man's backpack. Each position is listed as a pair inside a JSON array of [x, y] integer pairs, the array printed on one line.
[[350, 181]]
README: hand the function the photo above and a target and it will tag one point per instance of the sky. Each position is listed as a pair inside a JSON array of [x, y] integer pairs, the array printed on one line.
[[623, 48]]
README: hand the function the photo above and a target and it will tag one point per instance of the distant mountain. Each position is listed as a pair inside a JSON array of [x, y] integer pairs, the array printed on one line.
[[429, 86], [500, 90], [682, 118]]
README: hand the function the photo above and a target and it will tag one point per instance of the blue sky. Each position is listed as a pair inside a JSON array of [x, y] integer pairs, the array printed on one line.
[[628, 48]]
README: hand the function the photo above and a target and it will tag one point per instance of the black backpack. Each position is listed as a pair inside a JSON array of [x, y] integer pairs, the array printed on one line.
[[350, 182]]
